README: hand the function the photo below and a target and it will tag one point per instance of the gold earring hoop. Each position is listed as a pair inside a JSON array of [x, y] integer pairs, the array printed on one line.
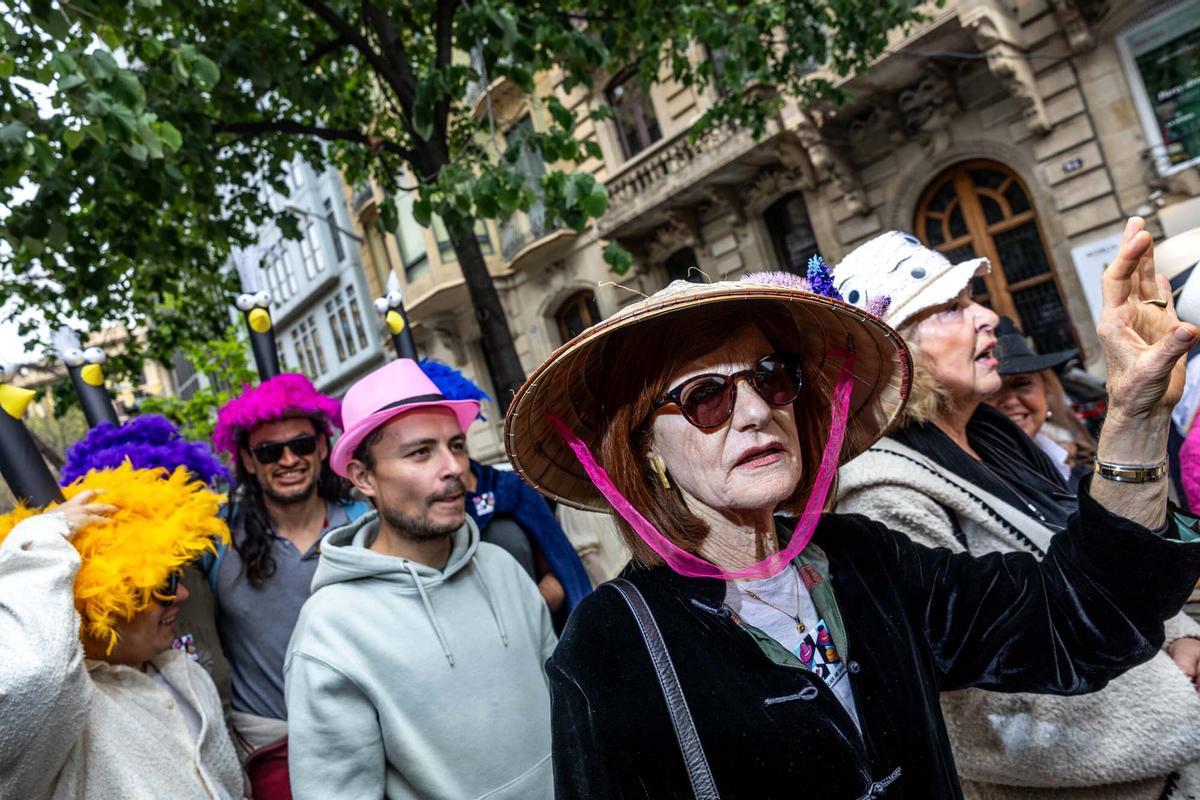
[[660, 469]]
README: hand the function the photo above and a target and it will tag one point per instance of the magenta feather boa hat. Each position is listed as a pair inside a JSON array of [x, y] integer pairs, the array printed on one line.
[[288, 395]]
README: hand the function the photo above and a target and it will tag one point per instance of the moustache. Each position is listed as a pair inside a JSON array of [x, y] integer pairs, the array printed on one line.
[[454, 488]]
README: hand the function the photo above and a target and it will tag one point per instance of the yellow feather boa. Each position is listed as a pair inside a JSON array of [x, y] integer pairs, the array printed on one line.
[[162, 523]]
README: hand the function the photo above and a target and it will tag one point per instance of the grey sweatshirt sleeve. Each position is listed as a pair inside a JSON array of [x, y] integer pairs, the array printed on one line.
[[45, 691], [335, 746]]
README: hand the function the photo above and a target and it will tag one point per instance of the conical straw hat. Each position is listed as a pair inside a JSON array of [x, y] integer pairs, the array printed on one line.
[[565, 384]]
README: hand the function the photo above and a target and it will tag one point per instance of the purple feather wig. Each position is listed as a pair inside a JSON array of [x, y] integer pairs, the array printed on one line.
[[284, 396], [451, 383], [146, 442], [779, 278]]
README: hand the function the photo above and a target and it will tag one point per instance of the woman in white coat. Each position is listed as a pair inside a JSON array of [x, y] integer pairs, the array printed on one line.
[[957, 473], [94, 700]]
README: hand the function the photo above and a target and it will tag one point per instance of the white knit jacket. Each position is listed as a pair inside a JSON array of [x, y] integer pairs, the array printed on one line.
[[72, 729], [1120, 743]]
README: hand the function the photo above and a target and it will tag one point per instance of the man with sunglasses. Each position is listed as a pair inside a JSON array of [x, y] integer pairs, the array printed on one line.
[[285, 500]]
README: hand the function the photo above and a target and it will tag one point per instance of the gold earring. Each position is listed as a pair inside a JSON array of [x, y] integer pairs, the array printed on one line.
[[660, 469]]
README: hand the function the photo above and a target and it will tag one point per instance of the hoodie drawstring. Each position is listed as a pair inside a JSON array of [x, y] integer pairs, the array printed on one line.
[[433, 619], [487, 593]]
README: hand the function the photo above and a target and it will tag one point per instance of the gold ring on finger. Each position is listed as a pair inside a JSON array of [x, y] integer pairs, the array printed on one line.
[[1155, 302]]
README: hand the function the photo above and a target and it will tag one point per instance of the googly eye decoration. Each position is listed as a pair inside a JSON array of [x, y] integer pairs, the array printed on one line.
[[7, 372], [94, 355], [262, 299], [381, 305], [245, 302], [73, 357]]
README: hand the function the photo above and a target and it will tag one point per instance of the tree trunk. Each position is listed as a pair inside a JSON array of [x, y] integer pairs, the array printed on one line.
[[500, 353]]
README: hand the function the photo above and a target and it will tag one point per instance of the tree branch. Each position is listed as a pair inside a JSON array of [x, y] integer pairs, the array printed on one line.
[[325, 49], [267, 127], [394, 51], [444, 36], [355, 38]]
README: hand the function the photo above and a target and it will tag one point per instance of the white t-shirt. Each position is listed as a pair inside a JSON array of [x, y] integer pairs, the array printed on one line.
[[814, 646]]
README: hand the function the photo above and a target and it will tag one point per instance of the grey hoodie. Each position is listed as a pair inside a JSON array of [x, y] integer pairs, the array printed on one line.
[[405, 681]]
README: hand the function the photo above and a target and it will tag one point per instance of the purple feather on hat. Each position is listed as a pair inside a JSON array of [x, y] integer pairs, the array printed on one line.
[[820, 278], [779, 278], [147, 442], [284, 396]]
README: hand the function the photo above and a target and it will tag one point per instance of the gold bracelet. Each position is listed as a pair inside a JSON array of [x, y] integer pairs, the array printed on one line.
[[1131, 473]]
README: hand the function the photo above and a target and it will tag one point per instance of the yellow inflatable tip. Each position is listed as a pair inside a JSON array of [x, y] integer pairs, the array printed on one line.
[[395, 322], [92, 375], [14, 400], [260, 320]]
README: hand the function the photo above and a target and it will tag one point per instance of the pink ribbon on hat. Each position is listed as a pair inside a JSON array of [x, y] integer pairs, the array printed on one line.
[[694, 566]]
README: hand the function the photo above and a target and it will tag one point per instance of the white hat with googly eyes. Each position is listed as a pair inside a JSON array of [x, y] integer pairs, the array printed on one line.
[[895, 277]]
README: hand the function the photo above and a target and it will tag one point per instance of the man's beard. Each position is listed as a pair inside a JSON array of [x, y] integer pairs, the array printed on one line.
[[419, 528], [293, 497]]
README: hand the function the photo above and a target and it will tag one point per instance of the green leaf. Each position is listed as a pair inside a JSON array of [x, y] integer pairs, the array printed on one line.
[[14, 132], [101, 64], [72, 138], [57, 234], [8, 65], [136, 150], [170, 135], [595, 203], [423, 211], [205, 73], [69, 82], [127, 89], [618, 258]]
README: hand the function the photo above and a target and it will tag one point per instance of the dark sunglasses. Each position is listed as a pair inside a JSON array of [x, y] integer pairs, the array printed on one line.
[[707, 400], [166, 595], [270, 452]]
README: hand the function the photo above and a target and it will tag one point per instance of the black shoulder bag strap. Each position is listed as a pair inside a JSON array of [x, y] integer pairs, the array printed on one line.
[[681, 718]]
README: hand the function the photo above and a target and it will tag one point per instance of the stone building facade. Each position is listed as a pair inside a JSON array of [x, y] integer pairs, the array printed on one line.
[[1026, 131]]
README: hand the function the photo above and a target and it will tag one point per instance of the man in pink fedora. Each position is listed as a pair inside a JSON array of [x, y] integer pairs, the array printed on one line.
[[416, 668]]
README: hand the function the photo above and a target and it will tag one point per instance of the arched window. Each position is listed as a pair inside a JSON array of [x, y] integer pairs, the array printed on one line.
[[578, 313], [636, 122], [981, 208], [791, 233]]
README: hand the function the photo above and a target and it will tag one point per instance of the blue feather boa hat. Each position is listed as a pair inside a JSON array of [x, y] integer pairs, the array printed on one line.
[[148, 442], [451, 383]]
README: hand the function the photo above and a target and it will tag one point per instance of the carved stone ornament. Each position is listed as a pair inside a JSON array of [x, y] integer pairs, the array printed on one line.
[[1075, 27], [828, 162], [878, 125], [1008, 63], [727, 200], [680, 230]]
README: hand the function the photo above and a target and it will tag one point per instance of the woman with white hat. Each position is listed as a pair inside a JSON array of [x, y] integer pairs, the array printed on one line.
[[959, 474], [738, 659]]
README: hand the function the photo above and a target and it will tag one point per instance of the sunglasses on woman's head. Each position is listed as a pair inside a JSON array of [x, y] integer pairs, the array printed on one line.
[[270, 452], [707, 401]]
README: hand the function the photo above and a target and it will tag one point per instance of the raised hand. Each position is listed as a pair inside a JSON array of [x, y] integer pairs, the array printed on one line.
[[1142, 337], [80, 511]]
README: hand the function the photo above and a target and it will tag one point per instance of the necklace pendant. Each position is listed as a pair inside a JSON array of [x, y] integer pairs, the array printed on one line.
[[800, 627]]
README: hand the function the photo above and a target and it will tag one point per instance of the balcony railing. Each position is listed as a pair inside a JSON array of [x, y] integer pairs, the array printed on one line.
[[522, 229], [673, 165]]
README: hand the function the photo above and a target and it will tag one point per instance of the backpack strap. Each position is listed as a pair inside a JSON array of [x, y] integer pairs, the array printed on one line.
[[703, 787]]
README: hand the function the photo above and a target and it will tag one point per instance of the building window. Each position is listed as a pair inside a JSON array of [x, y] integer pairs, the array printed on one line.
[[981, 208], [283, 363], [356, 316], [1162, 60], [310, 250], [287, 272], [517, 231], [307, 340], [637, 125], [682, 266], [338, 342], [577, 314], [446, 248], [409, 238], [297, 174], [791, 233], [334, 232]]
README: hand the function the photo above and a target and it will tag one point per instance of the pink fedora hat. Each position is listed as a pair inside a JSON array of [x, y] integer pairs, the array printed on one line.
[[389, 391]]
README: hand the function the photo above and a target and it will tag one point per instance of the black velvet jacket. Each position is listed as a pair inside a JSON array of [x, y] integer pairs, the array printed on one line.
[[918, 621]]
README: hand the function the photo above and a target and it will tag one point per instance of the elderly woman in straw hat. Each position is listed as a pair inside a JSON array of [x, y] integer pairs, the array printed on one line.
[[960, 474], [741, 656]]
